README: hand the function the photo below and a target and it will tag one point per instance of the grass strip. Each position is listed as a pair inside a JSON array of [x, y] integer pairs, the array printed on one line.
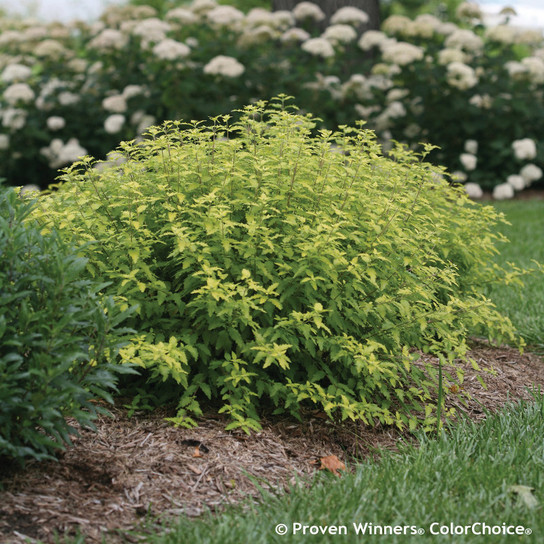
[[525, 307]]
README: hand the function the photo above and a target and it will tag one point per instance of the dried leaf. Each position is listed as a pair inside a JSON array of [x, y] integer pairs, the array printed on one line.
[[525, 495], [332, 463], [196, 470]]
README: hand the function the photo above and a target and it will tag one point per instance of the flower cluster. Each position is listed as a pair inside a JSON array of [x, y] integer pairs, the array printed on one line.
[[474, 91]]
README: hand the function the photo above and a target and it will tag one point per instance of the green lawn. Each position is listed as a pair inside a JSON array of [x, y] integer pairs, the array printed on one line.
[[525, 307]]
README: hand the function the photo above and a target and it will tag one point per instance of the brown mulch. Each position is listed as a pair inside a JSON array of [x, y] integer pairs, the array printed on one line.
[[135, 468]]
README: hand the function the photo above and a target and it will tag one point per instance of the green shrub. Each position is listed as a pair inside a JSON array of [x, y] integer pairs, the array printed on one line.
[[281, 266], [55, 337]]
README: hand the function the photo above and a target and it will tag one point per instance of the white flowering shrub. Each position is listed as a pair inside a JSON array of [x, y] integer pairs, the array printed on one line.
[[70, 89]]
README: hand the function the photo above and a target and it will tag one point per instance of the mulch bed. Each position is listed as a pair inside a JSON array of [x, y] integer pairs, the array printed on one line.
[[138, 468]]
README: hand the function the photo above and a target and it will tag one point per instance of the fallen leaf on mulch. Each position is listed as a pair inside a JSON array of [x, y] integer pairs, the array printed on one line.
[[332, 463]]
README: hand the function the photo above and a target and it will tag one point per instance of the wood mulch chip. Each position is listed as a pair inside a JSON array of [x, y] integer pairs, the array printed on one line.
[[138, 468]]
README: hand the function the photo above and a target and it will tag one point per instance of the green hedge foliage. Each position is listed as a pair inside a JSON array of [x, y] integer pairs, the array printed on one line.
[[57, 333], [277, 267]]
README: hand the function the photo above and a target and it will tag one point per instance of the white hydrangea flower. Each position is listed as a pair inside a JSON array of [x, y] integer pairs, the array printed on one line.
[[395, 109], [127, 27], [14, 118], [260, 34], [15, 72], [372, 38], [181, 15], [412, 131], [469, 10], [530, 172], [60, 154], [357, 86], [109, 39], [396, 94], [396, 24], [320, 47], [224, 15], [78, 65], [55, 122], [481, 101], [113, 158], [430, 20], [528, 36], [349, 15], [501, 33], [19, 93], [459, 176], [446, 28], [115, 103], [203, 6], [364, 112], [144, 123], [260, 16], [67, 98], [114, 123], [29, 190], [10, 37], [535, 68], [381, 81], [464, 39], [503, 191], [4, 141], [402, 53], [224, 66], [447, 56], [471, 146], [462, 76], [295, 35], [151, 30], [169, 49], [130, 91], [421, 29], [515, 69], [71, 152], [340, 33], [308, 10], [469, 161], [524, 149], [516, 181], [282, 19], [279, 20], [50, 48], [473, 190]]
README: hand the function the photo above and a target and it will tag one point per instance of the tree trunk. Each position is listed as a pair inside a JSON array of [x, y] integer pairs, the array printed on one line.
[[329, 7]]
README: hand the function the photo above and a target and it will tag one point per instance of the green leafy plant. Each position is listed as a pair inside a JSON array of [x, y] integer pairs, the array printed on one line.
[[56, 335], [289, 264]]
